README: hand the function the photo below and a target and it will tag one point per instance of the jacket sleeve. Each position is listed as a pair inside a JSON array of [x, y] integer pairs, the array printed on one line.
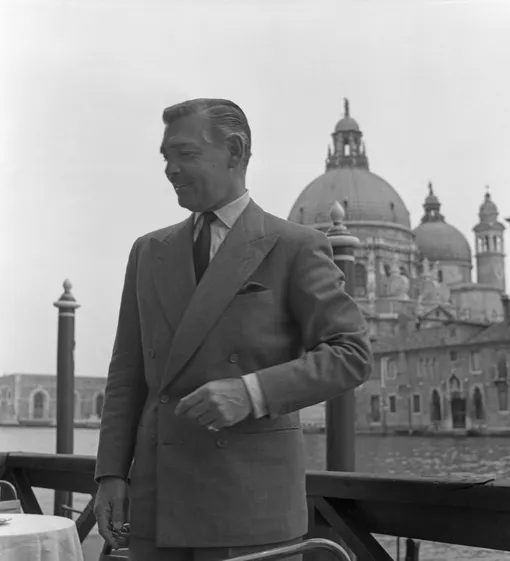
[[337, 354], [126, 390]]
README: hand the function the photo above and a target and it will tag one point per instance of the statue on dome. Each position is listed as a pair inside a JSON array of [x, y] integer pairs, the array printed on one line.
[[346, 107]]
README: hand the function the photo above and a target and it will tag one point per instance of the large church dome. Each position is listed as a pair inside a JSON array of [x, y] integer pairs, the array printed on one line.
[[365, 196], [436, 239]]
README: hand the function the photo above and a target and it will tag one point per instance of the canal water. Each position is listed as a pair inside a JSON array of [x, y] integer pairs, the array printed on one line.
[[388, 455]]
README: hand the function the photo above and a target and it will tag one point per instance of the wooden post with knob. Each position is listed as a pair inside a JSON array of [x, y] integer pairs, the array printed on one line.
[[66, 305], [341, 411]]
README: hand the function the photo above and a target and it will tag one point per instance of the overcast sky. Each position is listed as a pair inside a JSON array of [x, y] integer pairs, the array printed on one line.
[[83, 85]]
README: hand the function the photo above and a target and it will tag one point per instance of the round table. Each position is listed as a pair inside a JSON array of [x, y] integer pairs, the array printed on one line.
[[39, 537]]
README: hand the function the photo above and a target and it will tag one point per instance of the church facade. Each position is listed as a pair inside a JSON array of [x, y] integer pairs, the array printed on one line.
[[441, 338]]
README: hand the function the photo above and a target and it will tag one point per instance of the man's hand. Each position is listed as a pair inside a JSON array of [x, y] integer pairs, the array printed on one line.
[[217, 404], [110, 508]]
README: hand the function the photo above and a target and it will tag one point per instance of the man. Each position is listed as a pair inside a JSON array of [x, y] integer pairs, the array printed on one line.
[[230, 323]]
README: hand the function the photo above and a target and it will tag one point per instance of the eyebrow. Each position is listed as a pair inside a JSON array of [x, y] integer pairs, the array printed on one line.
[[172, 145], [178, 143]]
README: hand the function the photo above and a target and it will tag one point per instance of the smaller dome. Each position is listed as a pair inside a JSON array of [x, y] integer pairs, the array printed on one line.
[[488, 209], [347, 124], [431, 201], [439, 241]]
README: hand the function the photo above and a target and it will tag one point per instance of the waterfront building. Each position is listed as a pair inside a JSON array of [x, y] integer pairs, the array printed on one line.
[[441, 338], [30, 399]]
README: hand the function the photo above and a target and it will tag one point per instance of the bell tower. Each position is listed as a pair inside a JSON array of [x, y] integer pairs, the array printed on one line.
[[490, 246]]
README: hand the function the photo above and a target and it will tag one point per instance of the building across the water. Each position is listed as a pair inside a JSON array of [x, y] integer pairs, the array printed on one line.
[[441, 338], [30, 399]]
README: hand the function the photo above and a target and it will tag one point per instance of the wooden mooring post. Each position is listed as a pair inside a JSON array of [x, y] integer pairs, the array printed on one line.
[[341, 411], [412, 550], [66, 305]]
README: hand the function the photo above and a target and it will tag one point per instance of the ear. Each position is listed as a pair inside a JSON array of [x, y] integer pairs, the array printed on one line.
[[236, 150]]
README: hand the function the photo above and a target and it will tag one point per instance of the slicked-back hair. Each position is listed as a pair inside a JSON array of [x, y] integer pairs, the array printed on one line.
[[225, 117]]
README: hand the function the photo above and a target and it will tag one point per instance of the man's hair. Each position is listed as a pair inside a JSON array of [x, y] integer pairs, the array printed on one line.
[[224, 116]]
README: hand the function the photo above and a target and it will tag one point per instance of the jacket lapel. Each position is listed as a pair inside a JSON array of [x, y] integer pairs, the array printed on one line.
[[173, 271], [238, 257]]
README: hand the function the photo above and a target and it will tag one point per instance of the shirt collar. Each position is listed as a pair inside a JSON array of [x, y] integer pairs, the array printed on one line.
[[229, 213]]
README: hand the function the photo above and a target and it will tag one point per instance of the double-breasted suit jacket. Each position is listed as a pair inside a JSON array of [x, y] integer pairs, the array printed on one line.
[[270, 302]]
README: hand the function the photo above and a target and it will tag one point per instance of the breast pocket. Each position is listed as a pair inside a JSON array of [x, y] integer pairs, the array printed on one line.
[[255, 297], [249, 317]]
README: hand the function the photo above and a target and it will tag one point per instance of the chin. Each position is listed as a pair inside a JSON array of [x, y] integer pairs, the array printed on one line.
[[188, 204]]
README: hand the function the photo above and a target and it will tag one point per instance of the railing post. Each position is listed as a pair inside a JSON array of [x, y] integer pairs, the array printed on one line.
[[65, 386], [341, 411]]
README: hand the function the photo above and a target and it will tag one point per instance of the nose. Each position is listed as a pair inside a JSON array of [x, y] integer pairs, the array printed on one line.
[[172, 169]]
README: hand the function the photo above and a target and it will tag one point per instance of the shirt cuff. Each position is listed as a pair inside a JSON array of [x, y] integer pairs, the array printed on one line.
[[254, 390]]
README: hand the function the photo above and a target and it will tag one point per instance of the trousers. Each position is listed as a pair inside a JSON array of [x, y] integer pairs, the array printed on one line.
[[141, 549]]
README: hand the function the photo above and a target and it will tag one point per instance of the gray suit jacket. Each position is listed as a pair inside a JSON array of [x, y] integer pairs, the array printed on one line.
[[306, 339]]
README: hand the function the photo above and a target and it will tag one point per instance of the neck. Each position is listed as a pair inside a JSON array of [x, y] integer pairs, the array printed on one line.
[[238, 191]]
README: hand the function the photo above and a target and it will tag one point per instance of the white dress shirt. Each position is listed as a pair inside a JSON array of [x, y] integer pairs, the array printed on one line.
[[227, 217]]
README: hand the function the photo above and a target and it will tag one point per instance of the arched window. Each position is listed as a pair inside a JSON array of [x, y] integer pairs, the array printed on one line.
[[503, 396], [502, 367], [435, 409], [454, 384], [375, 409], [360, 280], [38, 405], [478, 409], [99, 404]]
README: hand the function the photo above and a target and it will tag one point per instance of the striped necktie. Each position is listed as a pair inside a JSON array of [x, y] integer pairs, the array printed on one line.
[[202, 246]]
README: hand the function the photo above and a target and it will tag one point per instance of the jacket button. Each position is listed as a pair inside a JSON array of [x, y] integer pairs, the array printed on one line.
[[221, 443], [233, 358], [164, 399], [152, 353]]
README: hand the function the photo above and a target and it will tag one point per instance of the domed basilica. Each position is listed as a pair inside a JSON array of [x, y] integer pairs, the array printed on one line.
[[440, 338], [401, 272]]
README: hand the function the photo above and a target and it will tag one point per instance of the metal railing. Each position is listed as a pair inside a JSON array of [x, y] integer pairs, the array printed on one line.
[[295, 549]]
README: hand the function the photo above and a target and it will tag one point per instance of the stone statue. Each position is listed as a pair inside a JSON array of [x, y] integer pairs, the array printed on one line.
[[371, 275], [426, 268], [399, 283]]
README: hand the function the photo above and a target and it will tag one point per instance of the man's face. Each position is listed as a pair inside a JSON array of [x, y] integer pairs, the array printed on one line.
[[197, 164]]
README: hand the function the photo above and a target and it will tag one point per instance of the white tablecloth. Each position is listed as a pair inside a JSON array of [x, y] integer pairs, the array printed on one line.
[[32, 537]]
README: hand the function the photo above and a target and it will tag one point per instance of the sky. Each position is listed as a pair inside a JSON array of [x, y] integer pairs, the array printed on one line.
[[83, 86]]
